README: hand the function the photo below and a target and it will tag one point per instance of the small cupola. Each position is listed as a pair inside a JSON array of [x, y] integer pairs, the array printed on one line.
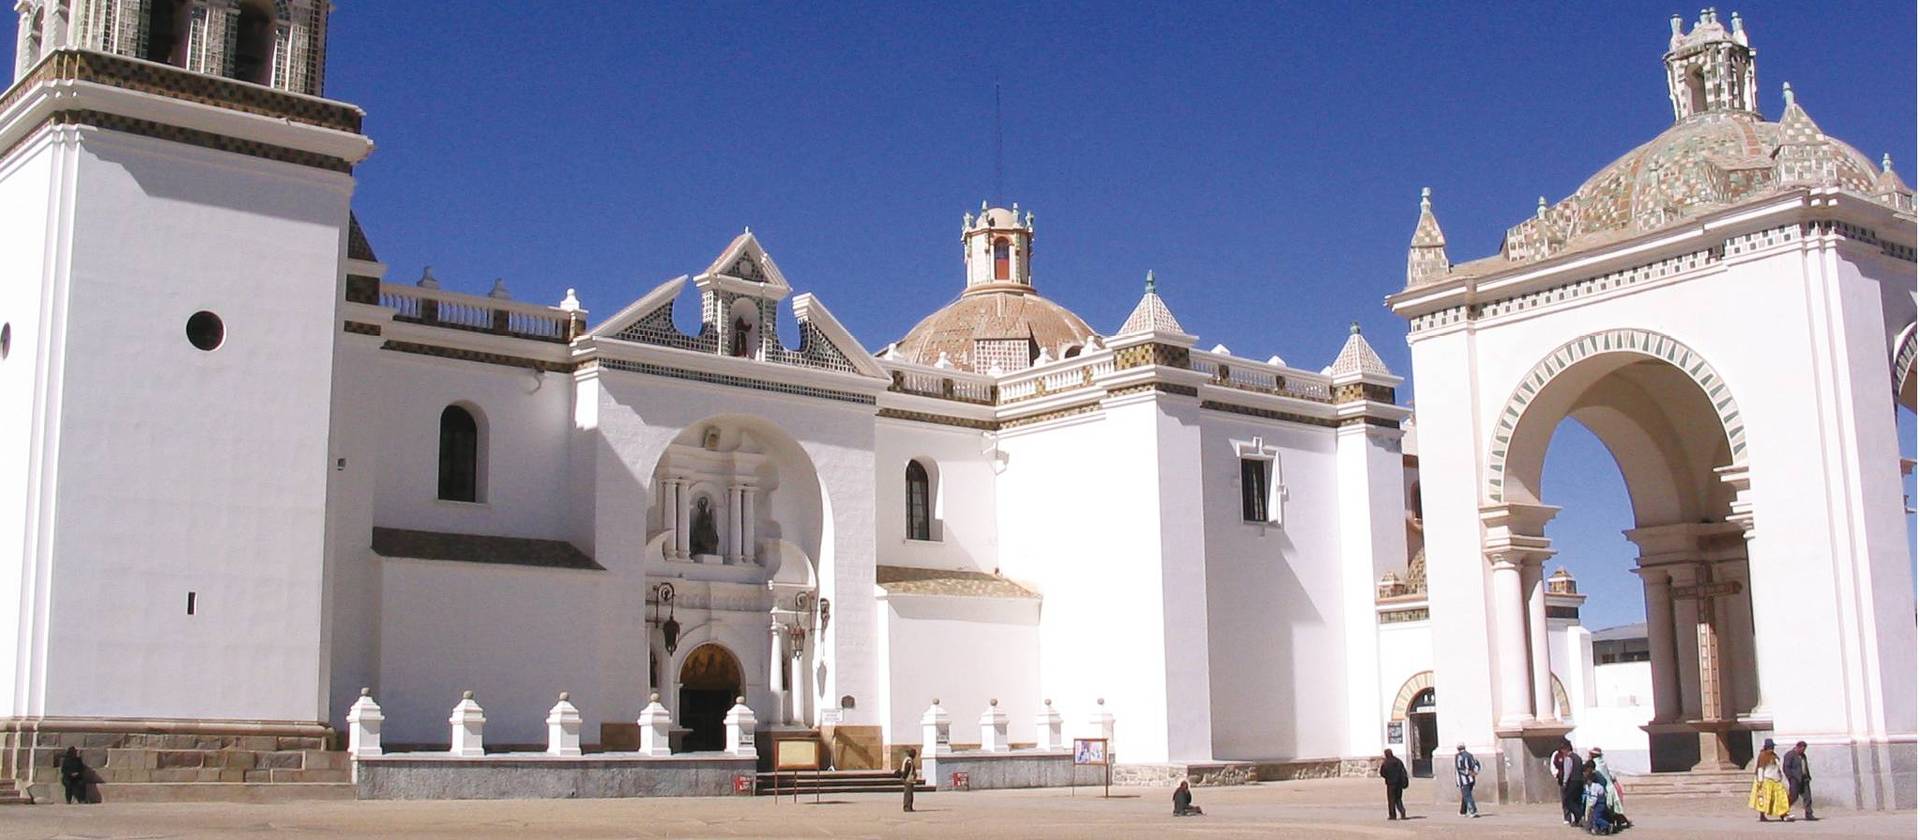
[[1710, 68], [999, 249]]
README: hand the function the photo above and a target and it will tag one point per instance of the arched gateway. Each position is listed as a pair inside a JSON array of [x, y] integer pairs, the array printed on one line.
[[1725, 308]]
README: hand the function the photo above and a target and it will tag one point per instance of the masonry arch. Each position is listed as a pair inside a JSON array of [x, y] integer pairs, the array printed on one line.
[[710, 678], [1673, 428]]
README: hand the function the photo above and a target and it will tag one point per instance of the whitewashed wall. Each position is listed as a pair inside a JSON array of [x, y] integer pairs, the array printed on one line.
[[961, 465], [966, 652], [28, 301]]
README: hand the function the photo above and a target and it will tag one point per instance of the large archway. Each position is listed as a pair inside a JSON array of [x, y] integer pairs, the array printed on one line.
[[1673, 430], [710, 679]]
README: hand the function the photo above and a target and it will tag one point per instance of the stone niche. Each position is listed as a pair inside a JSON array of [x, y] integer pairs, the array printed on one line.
[[711, 498]]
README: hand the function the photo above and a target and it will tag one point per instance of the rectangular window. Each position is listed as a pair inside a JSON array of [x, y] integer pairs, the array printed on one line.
[[1254, 484]]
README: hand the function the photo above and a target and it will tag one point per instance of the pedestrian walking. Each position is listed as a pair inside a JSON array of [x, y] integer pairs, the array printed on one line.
[[1568, 773], [1183, 801], [1799, 773], [1395, 774], [909, 777], [1466, 771], [73, 776], [1769, 795]]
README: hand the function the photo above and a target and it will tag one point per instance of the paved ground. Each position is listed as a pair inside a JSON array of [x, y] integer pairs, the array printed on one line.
[[1326, 808]]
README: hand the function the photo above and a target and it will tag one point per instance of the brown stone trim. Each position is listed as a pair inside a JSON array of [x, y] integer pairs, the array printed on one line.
[[1400, 616], [1162, 355], [167, 726], [72, 65], [1042, 417], [1370, 420], [941, 419], [359, 328], [362, 289], [1267, 414], [188, 136], [1161, 387], [1356, 391], [477, 356]]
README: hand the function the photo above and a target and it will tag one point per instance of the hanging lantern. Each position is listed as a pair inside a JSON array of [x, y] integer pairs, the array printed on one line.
[[670, 631], [797, 638]]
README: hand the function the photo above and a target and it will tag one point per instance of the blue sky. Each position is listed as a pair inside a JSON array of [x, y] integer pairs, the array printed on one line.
[[1264, 160]]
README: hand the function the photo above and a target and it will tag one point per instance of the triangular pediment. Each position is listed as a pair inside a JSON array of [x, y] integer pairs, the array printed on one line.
[[745, 259]]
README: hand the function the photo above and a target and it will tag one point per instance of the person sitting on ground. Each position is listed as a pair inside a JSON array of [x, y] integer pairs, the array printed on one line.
[[73, 776], [1616, 806], [1183, 802], [1596, 801]]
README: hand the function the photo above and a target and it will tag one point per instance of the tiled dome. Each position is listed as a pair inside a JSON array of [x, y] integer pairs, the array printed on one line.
[[998, 318]]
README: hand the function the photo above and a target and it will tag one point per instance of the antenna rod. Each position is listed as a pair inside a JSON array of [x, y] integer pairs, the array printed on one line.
[[999, 152]]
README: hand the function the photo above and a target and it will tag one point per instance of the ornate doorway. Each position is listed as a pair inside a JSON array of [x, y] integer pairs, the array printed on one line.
[[709, 681], [1423, 733]]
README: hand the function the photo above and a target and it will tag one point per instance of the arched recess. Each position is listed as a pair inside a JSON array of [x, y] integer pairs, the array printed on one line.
[[1903, 357], [1632, 418], [1409, 690]]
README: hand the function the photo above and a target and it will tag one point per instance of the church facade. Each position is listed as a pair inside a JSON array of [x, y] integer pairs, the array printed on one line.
[[285, 476]]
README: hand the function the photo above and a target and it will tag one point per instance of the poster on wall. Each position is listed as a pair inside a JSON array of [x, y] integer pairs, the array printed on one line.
[[1089, 750], [1396, 732]]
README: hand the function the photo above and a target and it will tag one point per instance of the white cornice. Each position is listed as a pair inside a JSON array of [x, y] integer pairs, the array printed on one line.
[[43, 100]]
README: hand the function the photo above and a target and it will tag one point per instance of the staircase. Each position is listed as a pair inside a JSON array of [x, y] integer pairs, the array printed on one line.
[[11, 794], [1685, 785], [807, 783]]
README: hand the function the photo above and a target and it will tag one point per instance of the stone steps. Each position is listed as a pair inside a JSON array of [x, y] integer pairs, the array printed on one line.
[[10, 794], [249, 792], [1686, 785]]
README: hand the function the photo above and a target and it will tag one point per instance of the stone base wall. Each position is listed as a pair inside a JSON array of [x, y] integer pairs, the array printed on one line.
[[1003, 770], [125, 752], [1319, 768], [1198, 774], [538, 776]]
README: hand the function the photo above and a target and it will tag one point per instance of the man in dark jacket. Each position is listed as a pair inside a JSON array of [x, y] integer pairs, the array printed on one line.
[[910, 776], [1567, 770], [73, 776], [1395, 775], [1799, 773]]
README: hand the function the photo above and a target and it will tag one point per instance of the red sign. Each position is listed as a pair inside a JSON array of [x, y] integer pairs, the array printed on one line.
[[742, 783], [962, 782]]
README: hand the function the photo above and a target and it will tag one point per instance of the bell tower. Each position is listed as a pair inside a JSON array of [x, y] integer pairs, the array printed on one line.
[[178, 224], [276, 43], [999, 249], [1710, 68]]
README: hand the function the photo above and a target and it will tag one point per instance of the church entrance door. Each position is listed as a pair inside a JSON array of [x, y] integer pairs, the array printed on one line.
[[709, 681], [1423, 733]]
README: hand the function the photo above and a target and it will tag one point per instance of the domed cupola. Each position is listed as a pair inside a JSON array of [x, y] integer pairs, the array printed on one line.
[[998, 324]]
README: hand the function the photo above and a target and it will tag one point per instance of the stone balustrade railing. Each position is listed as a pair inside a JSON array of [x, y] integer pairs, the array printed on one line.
[[1260, 377], [475, 313]]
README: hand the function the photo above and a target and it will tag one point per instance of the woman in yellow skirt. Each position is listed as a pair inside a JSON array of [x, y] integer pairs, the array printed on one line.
[[1769, 795]]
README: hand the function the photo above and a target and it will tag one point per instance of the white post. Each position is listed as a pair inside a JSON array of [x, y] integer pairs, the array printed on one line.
[[935, 731], [749, 546], [563, 728], [467, 720], [1101, 722], [739, 722], [363, 726], [1047, 728], [993, 728], [654, 723]]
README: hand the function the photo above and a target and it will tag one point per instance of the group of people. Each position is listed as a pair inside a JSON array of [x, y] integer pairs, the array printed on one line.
[[1589, 794], [1781, 781], [1466, 772]]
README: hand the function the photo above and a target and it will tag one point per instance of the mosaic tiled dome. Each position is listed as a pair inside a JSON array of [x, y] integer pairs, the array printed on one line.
[[1699, 164], [984, 323]]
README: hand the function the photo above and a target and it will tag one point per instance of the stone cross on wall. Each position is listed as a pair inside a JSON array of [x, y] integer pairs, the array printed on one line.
[[1713, 724]]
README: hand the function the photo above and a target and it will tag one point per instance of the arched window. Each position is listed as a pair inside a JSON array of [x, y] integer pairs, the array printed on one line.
[[1002, 259], [253, 43], [919, 502], [459, 455], [167, 22]]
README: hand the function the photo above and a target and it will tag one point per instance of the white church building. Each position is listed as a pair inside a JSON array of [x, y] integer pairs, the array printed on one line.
[[248, 473]]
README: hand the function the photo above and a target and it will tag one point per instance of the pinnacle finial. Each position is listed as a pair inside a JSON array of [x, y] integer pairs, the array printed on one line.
[[1540, 209], [1786, 92], [1426, 198], [1354, 328], [1738, 24], [1150, 283], [466, 695], [1886, 161]]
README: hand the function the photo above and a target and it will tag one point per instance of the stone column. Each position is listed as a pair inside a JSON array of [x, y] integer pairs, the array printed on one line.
[[1686, 647], [1510, 629], [749, 545], [1533, 580], [777, 671], [1660, 644], [733, 524], [682, 512]]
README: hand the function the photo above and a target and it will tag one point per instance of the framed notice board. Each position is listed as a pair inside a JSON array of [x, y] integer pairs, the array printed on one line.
[[797, 754]]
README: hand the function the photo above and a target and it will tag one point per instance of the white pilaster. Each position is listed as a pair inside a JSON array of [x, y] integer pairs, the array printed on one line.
[[467, 721], [740, 723], [363, 726], [936, 728], [993, 728], [1047, 726], [1509, 607], [1533, 580], [1660, 643], [655, 724]]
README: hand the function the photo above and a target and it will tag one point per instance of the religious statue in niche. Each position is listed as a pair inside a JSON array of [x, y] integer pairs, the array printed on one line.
[[742, 335], [705, 537]]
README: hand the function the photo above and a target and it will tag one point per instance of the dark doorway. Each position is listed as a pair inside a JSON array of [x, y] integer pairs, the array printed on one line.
[[1423, 733], [709, 680]]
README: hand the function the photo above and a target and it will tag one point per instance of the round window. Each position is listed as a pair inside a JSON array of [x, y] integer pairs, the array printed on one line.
[[6, 340], [205, 330]]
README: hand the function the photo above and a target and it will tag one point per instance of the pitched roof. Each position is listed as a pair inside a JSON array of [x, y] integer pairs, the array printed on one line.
[[1357, 356], [358, 248], [479, 548], [909, 580], [1151, 315]]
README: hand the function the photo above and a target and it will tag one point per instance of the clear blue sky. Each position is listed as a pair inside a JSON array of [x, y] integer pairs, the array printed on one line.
[[1264, 160]]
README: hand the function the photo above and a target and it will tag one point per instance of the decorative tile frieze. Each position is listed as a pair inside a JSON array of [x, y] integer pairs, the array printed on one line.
[[1142, 355], [939, 419], [359, 328], [69, 65], [1266, 414], [737, 381], [1158, 387], [1402, 616], [1355, 391], [1056, 414], [363, 289], [477, 356]]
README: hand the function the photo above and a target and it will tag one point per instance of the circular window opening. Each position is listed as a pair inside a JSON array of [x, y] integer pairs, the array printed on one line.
[[6, 340], [205, 330]]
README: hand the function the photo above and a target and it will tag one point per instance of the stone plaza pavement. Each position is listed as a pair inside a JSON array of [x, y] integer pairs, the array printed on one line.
[[1321, 808]]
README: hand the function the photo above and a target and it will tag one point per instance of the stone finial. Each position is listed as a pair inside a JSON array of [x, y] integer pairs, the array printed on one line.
[[570, 303], [983, 207], [1100, 701], [1540, 209], [366, 691], [1353, 328], [746, 230], [1786, 92], [654, 697], [565, 696], [993, 701], [363, 726], [1029, 220], [966, 221], [467, 695], [1047, 702], [739, 700], [1150, 283], [427, 280], [1886, 161], [499, 290]]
